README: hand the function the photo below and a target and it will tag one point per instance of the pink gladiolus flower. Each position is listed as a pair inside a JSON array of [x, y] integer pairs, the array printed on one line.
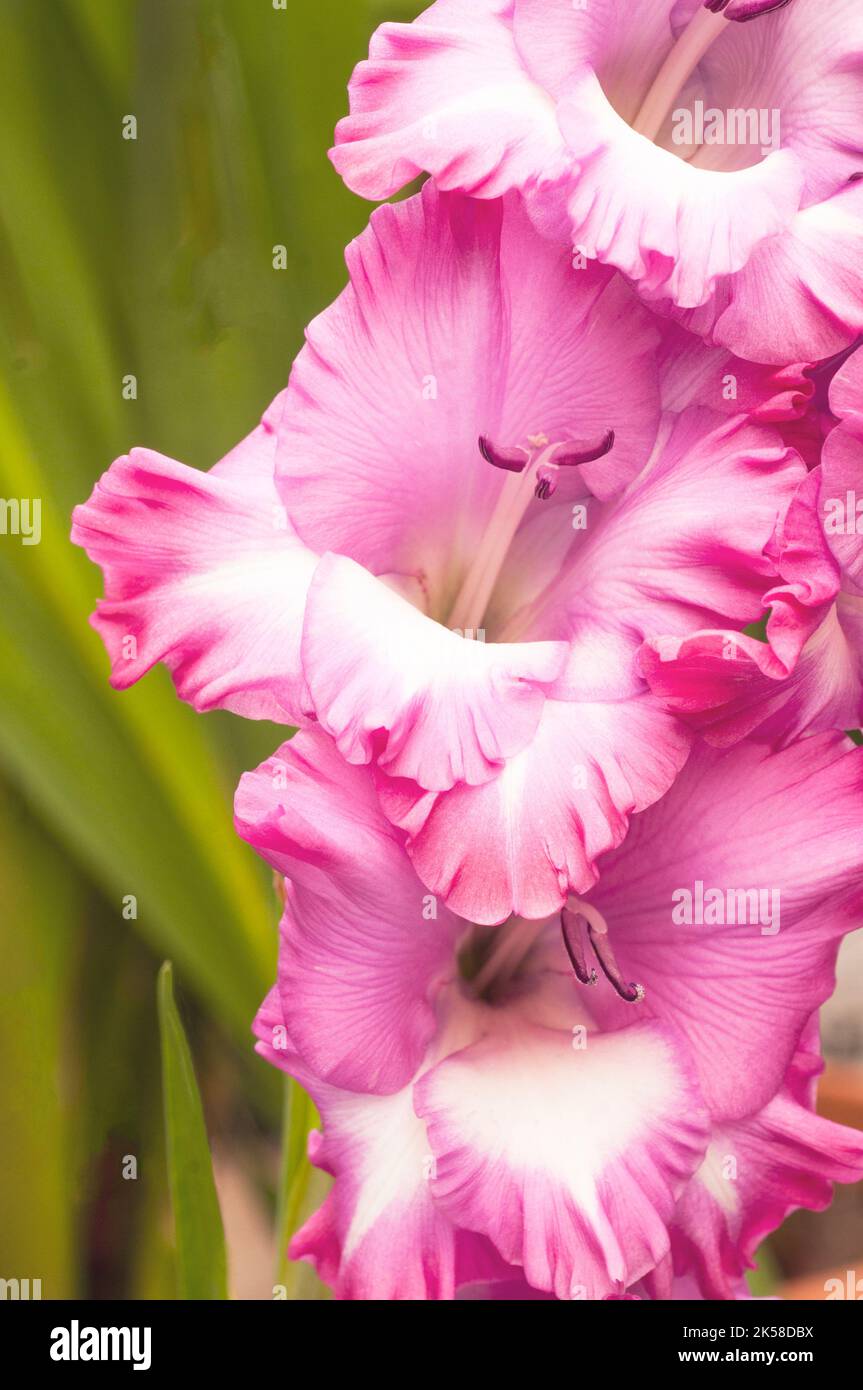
[[712, 160], [730, 685], [568, 852], [472, 443], [555, 1100]]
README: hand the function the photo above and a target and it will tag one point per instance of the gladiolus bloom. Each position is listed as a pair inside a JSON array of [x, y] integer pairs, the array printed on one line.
[[471, 446], [712, 160], [619, 1093]]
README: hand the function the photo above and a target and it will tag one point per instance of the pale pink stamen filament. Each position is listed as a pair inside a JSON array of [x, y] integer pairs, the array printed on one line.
[[701, 31], [529, 474], [515, 497]]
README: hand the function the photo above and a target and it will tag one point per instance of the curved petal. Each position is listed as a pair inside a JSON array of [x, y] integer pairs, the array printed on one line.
[[798, 604], [447, 95], [685, 542], [730, 685], [625, 49], [569, 1160], [385, 1244], [425, 703], [459, 321], [813, 100], [379, 1235], [693, 372], [523, 841], [842, 473], [798, 299], [754, 1174], [204, 572], [704, 226], [362, 945], [773, 838], [809, 577], [846, 392]]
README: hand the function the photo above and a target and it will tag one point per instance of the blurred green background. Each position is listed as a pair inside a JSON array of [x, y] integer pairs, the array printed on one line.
[[150, 257]]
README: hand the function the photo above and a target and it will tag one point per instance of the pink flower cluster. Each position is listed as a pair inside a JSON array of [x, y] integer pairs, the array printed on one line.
[[551, 549]]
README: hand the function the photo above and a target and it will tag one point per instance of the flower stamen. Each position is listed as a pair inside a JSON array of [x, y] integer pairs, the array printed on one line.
[[754, 9], [534, 476], [511, 460], [701, 31], [546, 473], [572, 924], [575, 917]]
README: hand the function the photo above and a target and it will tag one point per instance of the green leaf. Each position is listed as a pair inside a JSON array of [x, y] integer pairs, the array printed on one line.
[[298, 1117], [200, 1238], [766, 1275], [132, 782], [42, 899]]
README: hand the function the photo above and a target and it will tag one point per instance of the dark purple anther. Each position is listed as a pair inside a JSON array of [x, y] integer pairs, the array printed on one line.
[[546, 482], [552, 457], [743, 10], [572, 926], [570, 455], [512, 460], [631, 992]]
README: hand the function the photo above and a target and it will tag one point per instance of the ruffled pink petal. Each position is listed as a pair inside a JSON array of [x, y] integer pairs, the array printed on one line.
[[204, 572], [425, 703], [379, 1235], [807, 676], [842, 474], [459, 321], [754, 1174], [805, 63], [693, 372], [523, 841], [409, 1252], [704, 226], [568, 1160], [809, 577], [709, 503], [842, 504], [798, 299], [846, 392], [515, 1290], [686, 1290], [729, 686], [363, 945], [781, 829], [481, 95], [448, 95]]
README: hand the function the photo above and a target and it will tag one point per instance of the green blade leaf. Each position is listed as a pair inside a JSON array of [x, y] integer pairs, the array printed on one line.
[[200, 1237], [298, 1117], [43, 899]]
